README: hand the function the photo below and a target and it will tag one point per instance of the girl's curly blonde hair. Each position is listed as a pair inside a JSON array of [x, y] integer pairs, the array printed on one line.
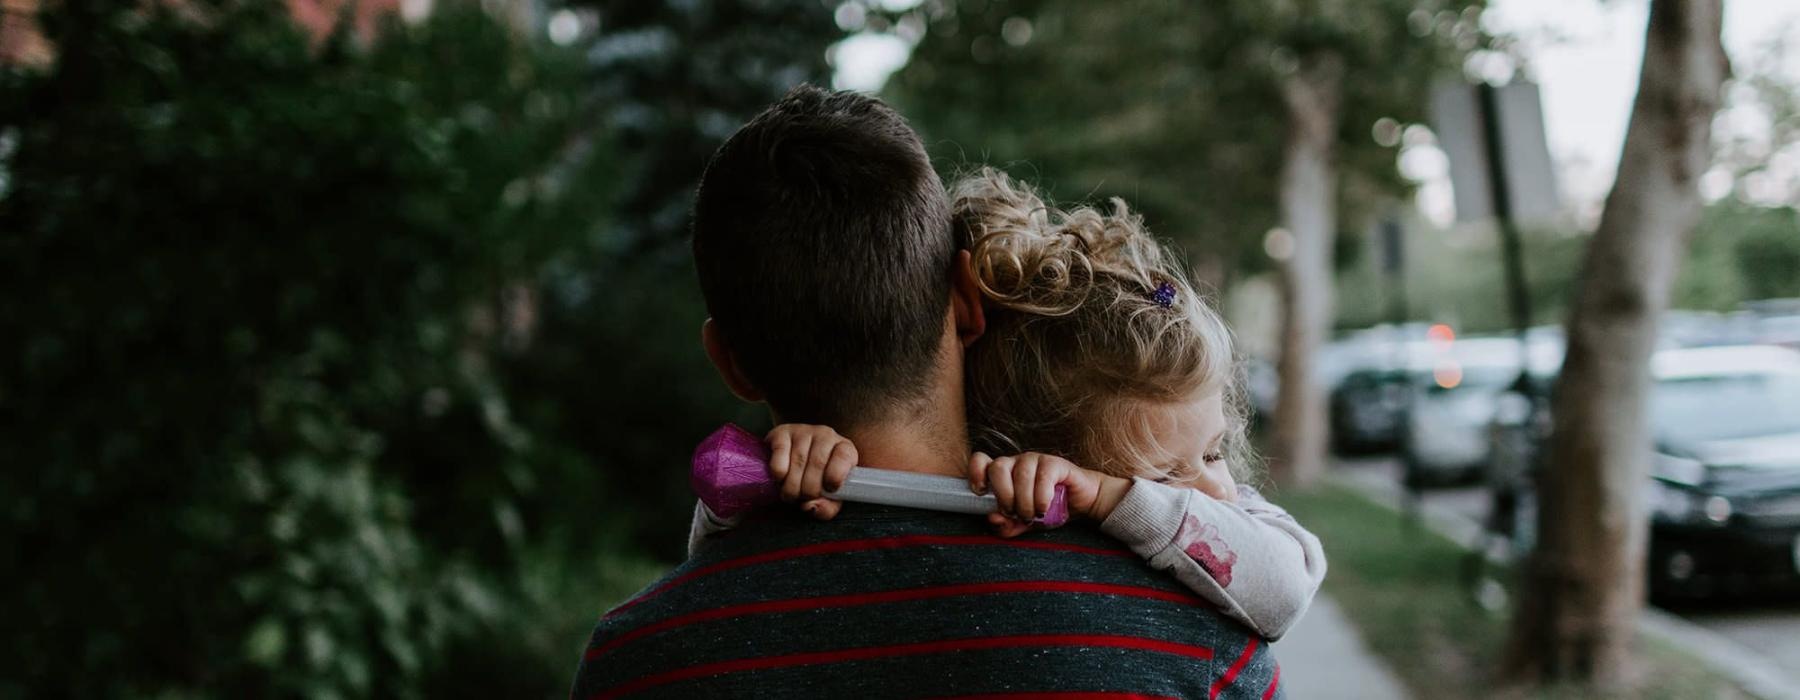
[[1077, 343]]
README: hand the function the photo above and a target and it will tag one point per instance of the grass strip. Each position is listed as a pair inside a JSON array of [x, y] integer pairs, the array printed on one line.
[[1401, 585]]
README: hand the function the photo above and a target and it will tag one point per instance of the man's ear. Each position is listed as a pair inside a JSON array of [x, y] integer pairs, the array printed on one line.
[[965, 300], [726, 363]]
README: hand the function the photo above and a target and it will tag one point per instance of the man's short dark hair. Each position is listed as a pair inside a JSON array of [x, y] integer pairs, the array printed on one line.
[[822, 241]]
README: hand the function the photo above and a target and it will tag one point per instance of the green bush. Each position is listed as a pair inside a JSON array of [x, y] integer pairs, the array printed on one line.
[[256, 440], [1768, 253]]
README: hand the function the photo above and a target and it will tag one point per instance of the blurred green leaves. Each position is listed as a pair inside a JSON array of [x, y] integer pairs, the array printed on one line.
[[1176, 107], [677, 78], [354, 367], [256, 435]]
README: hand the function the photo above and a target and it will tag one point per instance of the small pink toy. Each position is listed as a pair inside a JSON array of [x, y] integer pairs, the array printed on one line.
[[731, 476]]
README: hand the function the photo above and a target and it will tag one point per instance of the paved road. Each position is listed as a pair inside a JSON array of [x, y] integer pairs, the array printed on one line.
[[1769, 629]]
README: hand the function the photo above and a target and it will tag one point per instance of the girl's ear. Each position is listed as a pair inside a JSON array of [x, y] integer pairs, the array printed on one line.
[[965, 300], [726, 363]]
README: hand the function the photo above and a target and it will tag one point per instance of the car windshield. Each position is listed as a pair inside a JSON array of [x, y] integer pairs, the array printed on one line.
[[1726, 407]]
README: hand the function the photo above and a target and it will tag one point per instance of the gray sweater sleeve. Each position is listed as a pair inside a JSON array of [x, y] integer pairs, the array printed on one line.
[[1250, 558], [705, 525]]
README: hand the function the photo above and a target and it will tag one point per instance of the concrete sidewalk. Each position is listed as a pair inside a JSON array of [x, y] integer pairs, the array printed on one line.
[[1323, 656]]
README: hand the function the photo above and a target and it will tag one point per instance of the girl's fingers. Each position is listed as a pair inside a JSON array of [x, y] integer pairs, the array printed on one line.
[[837, 467], [822, 508], [978, 463], [1025, 486], [1006, 527], [798, 456], [999, 478], [1012, 528], [812, 483], [780, 443], [1050, 473]]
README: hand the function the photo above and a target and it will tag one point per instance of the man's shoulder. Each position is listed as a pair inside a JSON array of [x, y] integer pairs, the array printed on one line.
[[887, 596]]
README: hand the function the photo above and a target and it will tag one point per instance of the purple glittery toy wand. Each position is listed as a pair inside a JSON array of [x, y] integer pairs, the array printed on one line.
[[731, 476]]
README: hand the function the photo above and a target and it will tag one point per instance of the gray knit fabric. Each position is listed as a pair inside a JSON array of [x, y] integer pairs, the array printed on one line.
[[888, 602]]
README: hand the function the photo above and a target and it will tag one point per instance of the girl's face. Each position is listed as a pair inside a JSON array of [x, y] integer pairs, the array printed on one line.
[[1189, 438]]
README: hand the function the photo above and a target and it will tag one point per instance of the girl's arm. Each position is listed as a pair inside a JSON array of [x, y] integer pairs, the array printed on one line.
[[1250, 558]]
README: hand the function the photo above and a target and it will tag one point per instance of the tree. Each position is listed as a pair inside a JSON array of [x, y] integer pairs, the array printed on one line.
[[1584, 585], [676, 78], [253, 443], [1768, 254], [1337, 66], [1172, 106], [1093, 100], [1312, 98]]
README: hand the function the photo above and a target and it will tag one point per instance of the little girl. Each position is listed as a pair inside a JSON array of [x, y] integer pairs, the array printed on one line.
[[1098, 350]]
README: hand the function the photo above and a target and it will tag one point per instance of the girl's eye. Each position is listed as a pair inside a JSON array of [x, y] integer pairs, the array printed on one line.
[[1214, 458]]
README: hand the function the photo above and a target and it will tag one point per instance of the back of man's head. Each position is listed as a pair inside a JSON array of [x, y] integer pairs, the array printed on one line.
[[823, 246]]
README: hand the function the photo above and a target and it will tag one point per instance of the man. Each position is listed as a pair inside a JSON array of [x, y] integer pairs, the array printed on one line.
[[838, 297]]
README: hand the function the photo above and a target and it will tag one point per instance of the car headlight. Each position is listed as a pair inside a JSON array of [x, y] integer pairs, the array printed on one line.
[[1678, 505], [1716, 508]]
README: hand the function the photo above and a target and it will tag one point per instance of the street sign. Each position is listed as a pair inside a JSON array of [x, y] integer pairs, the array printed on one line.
[[1529, 188]]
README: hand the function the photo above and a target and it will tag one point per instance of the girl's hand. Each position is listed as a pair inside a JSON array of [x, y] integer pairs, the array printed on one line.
[[1023, 486], [810, 461]]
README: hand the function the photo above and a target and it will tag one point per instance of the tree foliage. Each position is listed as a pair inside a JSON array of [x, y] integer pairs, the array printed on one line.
[[1096, 100], [253, 286], [679, 77], [1766, 250], [1174, 106]]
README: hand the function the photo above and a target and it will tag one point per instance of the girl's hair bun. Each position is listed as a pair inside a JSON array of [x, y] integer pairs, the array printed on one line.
[[1092, 321], [1037, 259]]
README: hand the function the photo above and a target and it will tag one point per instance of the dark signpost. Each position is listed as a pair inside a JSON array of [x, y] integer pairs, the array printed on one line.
[[1500, 170]]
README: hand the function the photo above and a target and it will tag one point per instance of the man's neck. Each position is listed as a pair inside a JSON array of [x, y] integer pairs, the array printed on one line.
[[916, 442]]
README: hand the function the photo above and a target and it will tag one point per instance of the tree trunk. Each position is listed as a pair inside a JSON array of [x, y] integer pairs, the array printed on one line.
[[1584, 585], [1312, 95]]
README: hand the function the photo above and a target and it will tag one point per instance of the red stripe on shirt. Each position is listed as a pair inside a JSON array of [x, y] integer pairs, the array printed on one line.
[[897, 650], [843, 546], [894, 596], [1237, 667], [1273, 683]]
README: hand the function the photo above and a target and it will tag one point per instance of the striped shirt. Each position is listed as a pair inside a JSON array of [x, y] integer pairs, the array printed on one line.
[[897, 603]]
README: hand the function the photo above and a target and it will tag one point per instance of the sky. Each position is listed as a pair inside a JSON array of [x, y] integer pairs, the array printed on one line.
[[1584, 54]]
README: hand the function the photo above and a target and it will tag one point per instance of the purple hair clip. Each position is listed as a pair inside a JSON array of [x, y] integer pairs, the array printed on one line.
[[1164, 296]]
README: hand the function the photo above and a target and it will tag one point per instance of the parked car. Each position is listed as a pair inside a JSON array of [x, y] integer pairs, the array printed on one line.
[[1445, 433], [1380, 367], [1724, 492], [1368, 405], [1367, 409], [1779, 330]]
